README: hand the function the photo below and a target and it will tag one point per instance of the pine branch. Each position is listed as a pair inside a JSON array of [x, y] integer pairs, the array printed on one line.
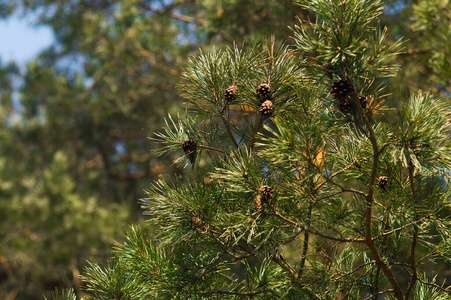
[[313, 231], [373, 262], [415, 236], [305, 246], [369, 203], [223, 292], [379, 293], [413, 223], [213, 149]]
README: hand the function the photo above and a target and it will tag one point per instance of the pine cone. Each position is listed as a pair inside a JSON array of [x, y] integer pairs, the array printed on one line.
[[258, 203], [189, 147], [266, 108], [231, 93], [383, 182], [264, 92], [342, 90], [266, 192], [197, 222]]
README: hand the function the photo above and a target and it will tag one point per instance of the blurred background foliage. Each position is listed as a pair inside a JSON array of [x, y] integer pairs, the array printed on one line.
[[75, 154]]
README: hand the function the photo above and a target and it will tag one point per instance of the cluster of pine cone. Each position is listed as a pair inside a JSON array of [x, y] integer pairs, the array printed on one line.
[[263, 93]]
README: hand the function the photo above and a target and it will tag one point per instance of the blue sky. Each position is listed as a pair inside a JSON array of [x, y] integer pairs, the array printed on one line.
[[21, 41]]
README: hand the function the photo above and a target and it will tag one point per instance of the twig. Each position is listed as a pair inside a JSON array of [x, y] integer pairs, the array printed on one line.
[[353, 271], [249, 294], [305, 245], [415, 237], [224, 121], [405, 226], [447, 289], [313, 231], [376, 287], [379, 293], [213, 149]]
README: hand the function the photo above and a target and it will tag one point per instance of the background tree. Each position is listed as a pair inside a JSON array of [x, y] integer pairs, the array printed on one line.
[[75, 153], [308, 181]]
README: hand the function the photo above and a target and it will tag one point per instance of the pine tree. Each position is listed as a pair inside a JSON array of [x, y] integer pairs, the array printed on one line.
[[316, 186]]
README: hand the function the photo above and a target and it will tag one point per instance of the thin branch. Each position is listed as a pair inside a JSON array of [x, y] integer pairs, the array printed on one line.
[[284, 265], [413, 263], [305, 245], [224, 121], [249, 294], [343, 189], [379, 293], [376, 287], [317, 200], [213, 149], [313, 231], [404, 226], [341, 171], [447, 289], [355, 270], [415, 237], [426, 256], [369, 204]]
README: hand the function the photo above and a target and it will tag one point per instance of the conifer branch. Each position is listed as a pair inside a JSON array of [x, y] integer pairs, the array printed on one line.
[[376, 280], [379, 293], [406, 269], [305, 244], [369, 203], [304, 253], [284, 265], [355, 270], [441, 288], [415, 235], [313, 231], [213, 149], [401, 228], [224, 120], [223, 292]]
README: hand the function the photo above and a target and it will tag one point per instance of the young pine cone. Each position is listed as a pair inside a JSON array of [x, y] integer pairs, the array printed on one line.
[[264, 92], [266, 108], [189, 146], [383, 182], [266, 192], [342, 90], [258, 203], [197, 222], [231, 93]]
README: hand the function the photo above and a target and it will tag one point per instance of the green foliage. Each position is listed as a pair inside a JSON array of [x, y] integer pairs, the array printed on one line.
[[68, 295], [430, 19], [50, 225], [74, 158], [311, 201]]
